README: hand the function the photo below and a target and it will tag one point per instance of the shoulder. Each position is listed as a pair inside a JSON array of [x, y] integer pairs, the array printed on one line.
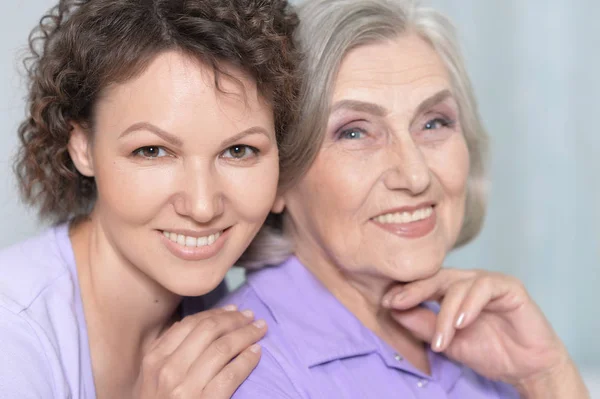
[[43, 337], [268, 380], [30, 267], [25, 369], [278, 369]]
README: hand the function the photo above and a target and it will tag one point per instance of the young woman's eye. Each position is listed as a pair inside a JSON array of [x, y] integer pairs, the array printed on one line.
[[240, 152], [151, 151], [437, 123], [352, 134]]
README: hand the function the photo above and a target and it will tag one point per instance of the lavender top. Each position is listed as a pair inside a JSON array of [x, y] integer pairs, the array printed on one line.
[[44, 350], [316, 348]]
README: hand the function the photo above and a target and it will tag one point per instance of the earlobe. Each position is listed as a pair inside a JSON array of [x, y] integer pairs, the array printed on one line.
[[279, 204], [80, 150]]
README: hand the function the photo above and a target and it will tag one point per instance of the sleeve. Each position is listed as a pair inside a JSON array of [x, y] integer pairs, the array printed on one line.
[[267, 381], [24, 368]]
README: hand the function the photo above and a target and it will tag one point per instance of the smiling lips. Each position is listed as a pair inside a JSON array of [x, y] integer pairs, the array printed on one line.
[[194, 248], [409, 223]]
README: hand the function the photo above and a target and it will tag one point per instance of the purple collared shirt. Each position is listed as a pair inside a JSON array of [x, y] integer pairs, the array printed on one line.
[[316, 348]]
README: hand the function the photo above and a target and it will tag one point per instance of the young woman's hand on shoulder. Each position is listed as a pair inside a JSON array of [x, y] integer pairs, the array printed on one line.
[[206, 355]]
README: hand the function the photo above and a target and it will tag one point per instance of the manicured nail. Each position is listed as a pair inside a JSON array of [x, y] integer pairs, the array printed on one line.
[[229, 308], [460, 320], [398, 299], [386, 302], [255, 348], [248, 313], [439, 340], [259, 324]]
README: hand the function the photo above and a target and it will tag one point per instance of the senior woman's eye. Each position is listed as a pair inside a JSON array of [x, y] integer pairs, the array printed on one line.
[[240, 151], [352, 134], [151, 151], [438, 123]]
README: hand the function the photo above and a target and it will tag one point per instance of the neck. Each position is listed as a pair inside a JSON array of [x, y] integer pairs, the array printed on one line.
[[361, 293], [125, 309]]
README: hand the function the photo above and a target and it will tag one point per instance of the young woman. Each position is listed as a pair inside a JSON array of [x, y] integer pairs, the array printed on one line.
[[152, 141]]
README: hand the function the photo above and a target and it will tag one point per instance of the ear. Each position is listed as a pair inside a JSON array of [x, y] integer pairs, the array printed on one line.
[[80, 150], [279, 204]]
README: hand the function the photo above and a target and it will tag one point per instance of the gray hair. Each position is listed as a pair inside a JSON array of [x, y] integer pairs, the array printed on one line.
[[328, 30]]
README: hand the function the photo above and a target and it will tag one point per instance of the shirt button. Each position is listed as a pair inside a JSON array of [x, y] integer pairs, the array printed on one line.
[[422, 383], [398, 357]]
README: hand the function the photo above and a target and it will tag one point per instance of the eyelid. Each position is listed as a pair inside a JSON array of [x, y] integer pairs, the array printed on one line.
[[255, 151], [138, 152]]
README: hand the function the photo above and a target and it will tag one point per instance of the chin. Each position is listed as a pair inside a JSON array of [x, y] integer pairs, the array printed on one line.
[[195, 286], [414, 267]]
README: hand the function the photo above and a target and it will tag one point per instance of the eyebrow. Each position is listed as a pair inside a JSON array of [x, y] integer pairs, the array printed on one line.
[[176, 141], [430, 102], [378, 110], [359, 106], [166, 136], [247, 132]]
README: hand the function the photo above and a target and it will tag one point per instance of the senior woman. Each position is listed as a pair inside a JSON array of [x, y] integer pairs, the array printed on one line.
[[151, 124], [396, 180]]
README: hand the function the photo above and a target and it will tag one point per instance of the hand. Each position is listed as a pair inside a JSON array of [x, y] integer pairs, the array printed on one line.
[[206, 355], [487, 321]]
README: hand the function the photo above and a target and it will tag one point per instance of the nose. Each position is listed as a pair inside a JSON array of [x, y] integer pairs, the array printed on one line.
[[408, 168], [200, 196]]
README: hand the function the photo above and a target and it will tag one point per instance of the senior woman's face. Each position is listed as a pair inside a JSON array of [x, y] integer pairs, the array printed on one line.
[[186, 174], [386, 193]]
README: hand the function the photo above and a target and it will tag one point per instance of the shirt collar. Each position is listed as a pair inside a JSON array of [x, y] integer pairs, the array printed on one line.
[[325, 330]]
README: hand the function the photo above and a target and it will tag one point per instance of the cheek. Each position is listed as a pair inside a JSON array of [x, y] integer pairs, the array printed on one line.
[[334, 192], [451, 167], [131, 192], [252, 190]]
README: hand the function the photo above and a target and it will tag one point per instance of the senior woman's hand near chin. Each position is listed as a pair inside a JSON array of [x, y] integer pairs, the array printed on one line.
[[488, 322]]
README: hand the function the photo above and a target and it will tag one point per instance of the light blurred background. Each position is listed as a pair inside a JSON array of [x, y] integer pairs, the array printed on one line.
[[535, 65]]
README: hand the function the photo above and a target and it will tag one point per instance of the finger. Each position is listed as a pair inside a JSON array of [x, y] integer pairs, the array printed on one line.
[[493, 292], [432, 288], [224, 384], [446, 317], [419, 321], [386, 301], [205, 332], [170, 339], [222, 351]]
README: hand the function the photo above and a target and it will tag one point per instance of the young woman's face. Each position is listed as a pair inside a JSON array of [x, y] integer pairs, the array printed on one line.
[[186, 174]]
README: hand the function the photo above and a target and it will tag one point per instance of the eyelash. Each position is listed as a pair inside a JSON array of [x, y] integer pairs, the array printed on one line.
[[162, 152], [444, 122], [139, 152], [342, 135], [255, 152]]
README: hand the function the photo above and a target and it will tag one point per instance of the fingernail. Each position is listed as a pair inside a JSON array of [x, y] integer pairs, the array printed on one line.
[[386, 302], [259, 323], [248, 313], [439, 340], [229, 308], [460, 320], [398, 299], [255, 348]]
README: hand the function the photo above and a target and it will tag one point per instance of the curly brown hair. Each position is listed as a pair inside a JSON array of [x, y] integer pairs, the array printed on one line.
[[82, 46]]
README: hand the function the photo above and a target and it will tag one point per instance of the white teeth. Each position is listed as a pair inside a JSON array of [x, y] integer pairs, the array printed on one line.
[[405, 217], [192, 241]]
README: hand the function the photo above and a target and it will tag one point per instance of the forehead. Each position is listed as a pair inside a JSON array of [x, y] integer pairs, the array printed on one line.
[[175, 89], [406, 69]]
